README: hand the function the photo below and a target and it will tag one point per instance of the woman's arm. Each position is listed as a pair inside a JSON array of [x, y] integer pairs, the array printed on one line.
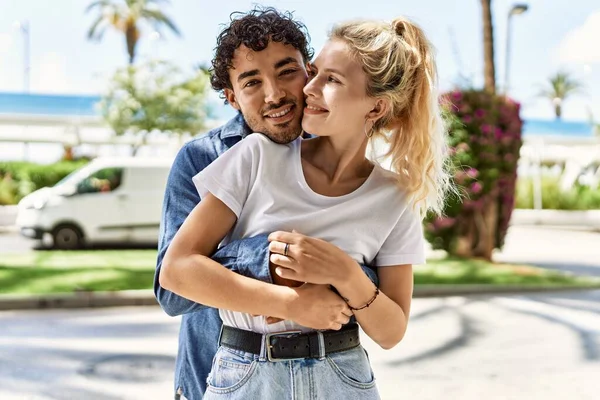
[[386, 318], [317, 261], [188, 271]]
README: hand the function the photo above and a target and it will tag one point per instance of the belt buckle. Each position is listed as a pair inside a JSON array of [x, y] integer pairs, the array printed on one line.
[[268, 337]]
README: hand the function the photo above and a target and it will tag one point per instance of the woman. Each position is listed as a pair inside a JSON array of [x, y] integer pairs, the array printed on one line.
[[371, 80]]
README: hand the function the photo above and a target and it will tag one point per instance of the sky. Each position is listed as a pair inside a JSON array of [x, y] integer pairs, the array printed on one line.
[[552, 35]]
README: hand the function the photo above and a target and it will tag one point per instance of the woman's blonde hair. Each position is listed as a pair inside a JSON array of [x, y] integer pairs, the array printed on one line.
[[399, 63]]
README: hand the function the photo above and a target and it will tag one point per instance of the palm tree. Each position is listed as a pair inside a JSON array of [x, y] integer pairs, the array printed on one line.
[[125, 17], [559, 87], [488, 47]]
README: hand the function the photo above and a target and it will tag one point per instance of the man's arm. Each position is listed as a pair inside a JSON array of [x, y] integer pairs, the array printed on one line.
[[181, 196], [180, 199]]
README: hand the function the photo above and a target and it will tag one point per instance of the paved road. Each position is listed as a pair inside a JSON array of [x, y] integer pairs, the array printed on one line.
[[12, 242], [469, 348]]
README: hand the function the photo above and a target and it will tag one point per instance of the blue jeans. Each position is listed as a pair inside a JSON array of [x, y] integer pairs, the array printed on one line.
[[345, 375]]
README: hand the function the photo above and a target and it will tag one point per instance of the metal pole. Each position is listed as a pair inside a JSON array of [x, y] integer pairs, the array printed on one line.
[[507, 57], [516, 9], [27, 40], [24, 28], [537, 179]]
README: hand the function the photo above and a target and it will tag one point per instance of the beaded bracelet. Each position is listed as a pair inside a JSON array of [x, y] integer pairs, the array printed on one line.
[[368, 303]]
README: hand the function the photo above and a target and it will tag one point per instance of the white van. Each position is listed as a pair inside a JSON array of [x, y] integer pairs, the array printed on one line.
[[110, 200]]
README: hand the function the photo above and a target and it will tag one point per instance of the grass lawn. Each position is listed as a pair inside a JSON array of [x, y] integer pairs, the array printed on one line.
[[42, 272], [68, 271], [458, 271]]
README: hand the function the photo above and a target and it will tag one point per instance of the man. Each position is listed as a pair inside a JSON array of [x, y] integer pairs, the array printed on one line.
[[260, 68]]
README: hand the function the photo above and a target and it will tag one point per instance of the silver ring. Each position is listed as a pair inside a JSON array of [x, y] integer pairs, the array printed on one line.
[[285, 250]]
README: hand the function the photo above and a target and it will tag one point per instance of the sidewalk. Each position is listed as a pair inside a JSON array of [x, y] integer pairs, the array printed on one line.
[[589, 219], [8, 215]]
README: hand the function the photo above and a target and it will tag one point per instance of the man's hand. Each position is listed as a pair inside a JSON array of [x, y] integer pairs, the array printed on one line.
[[309, 260]]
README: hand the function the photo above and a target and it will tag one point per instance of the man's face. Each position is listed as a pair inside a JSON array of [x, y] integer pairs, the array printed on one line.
[[267, 89]]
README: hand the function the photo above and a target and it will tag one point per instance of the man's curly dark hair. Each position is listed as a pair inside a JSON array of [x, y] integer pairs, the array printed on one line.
[[255, 29]]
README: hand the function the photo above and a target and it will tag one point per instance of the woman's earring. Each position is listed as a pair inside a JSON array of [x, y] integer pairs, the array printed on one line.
[[370, 132]]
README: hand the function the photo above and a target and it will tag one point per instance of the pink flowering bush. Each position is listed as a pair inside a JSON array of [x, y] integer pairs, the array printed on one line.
[[485, 140]]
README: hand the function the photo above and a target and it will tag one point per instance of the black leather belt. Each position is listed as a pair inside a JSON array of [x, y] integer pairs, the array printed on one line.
[[291, 345]]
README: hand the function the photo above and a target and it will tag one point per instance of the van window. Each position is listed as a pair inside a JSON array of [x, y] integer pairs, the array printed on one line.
[[104, 180]]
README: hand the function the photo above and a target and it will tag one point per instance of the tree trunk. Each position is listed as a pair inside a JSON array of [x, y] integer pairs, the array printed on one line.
[[67, 152], [142, 142], [131, 36], [477, 235], [487, 226], [488, 47], [466, 236], [558, 111]]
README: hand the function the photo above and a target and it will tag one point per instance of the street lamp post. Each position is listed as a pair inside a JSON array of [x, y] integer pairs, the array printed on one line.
[[155, 37], [23, 27], [515, 10]]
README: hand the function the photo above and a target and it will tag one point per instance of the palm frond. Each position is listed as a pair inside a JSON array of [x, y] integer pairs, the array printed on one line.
[[96, 31], [561, 85], [98, 3], [157, 18]]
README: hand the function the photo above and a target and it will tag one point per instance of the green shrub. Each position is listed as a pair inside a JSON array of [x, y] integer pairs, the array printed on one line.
[[18, 178], [485, 140], [8, 191], [579, 197]]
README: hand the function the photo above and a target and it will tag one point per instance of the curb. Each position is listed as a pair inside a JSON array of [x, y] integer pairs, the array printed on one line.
[[8, 229], [423, 291], [128, 298], [79, 300]]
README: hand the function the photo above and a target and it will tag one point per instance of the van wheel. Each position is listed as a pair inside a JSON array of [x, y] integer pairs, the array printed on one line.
[[67, 237]]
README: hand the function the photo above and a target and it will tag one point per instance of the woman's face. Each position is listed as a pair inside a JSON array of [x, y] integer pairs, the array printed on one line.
[[336, 98]]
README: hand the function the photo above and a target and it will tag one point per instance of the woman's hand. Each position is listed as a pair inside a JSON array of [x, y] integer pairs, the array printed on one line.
[[311, 260]]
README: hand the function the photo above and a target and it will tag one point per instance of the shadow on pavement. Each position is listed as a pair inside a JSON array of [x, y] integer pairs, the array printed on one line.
[[588, 338], [46, 371], [467, 332]]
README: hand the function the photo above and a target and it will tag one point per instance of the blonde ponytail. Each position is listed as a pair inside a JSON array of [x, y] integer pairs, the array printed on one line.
[[400, 66]]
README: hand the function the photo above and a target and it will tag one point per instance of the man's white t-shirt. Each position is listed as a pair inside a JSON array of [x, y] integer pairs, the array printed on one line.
[[263, 184]]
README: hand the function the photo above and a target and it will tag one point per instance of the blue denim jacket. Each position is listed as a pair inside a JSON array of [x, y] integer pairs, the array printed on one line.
[[200, 325]]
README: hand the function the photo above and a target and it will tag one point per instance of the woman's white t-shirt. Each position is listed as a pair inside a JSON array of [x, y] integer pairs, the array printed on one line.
[[263, 184]]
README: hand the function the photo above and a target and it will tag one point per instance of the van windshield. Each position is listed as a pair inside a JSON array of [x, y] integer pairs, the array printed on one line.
[[75, 177]]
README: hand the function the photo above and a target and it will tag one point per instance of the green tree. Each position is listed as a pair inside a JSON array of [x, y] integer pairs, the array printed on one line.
[[485, 141], [558, 88], [155, 96], [126, 16]]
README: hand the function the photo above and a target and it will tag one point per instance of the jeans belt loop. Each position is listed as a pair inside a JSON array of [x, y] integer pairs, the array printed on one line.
[[321, 344], [220, 335], [263, 348]]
